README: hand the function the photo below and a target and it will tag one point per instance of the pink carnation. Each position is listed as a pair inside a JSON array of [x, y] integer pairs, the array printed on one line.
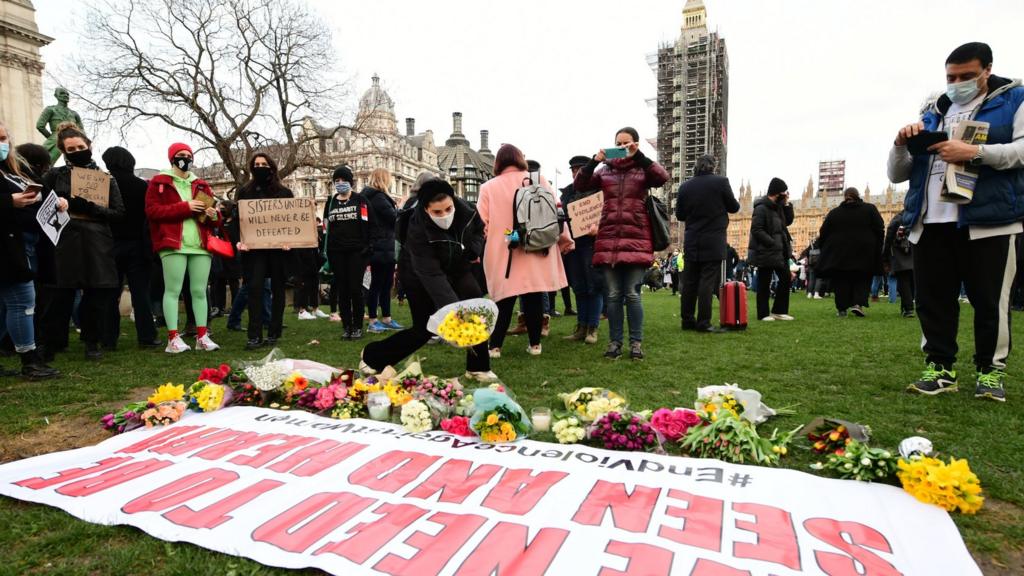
[[673, 424], [457, 425]]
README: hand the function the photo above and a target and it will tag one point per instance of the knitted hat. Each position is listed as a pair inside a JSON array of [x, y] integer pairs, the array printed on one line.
[[343, 173], [431, 188], [777, 186], [578, 161], [177, 147]]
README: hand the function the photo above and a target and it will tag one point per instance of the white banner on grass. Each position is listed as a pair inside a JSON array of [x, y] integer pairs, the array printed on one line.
[[361, 497]]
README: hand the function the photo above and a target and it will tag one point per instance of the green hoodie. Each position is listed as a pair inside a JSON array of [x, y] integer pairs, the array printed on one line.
[[191, 241]]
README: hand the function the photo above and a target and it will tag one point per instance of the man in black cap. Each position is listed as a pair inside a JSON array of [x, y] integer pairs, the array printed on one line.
[[587, 283]]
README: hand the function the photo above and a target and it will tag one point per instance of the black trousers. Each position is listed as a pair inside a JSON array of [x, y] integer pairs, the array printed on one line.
[[851, 289], [307, 291], [93, 313], [533, 313], [905, 286], [257, 266], [382, 277], [392, 350], [945, 257], [764, 291], [700, 280], [348, 268], [134, 265]]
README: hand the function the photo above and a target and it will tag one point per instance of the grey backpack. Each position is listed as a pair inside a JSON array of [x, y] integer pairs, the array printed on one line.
[[535, 222]]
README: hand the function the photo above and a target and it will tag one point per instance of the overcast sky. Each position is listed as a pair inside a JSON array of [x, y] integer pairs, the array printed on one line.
[[809, 80]]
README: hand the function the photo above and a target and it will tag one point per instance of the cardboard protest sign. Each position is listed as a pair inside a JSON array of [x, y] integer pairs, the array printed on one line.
[[278, 222], [93, 185], [585, 213]]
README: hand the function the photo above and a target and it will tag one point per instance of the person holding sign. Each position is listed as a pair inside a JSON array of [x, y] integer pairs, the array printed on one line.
[[347, 217], [17, 294], [85, 253], [175, 201], [258, 265], [587, 281]]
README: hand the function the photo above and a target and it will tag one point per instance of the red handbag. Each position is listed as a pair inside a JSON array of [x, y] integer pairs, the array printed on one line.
[[219, 246]]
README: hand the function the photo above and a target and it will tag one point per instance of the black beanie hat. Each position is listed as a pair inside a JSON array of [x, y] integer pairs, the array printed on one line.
[[579, 161], [777, 186], [431, 188], [343, 173]]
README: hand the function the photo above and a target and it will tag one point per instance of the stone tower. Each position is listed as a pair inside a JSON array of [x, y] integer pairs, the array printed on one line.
[[21, 69]]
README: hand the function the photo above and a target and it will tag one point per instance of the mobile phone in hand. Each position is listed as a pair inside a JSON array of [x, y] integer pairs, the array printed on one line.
[[616, 152], [919, 144]]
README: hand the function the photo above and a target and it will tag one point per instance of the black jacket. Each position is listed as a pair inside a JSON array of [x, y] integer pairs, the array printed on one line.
[[770, 243], [133, 227], [704, 204], [440, 260], [383, 214], [851, 240], [897, 253], [14, 266]]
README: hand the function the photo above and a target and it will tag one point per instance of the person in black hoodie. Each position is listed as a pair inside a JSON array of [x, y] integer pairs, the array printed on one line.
[[346, 217], [443, 237], [770, 249], [257, 265], [382, 260], [704, 204], [132, 251]]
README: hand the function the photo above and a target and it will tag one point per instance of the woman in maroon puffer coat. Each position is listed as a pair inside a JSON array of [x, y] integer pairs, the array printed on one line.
[[623, 248]]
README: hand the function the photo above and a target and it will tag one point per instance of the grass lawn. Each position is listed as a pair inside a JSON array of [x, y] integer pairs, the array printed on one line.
[[851, 368]]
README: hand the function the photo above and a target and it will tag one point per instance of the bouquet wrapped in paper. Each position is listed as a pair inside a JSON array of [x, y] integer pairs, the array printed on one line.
[[745, 404], [589, 404], [497, 417], [466, 323]]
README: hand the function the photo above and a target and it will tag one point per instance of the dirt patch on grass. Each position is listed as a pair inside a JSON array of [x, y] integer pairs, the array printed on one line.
[[1010, 560]]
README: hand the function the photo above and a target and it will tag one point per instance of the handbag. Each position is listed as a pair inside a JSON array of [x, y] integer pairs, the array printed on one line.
[[219, 246], [658, 214]]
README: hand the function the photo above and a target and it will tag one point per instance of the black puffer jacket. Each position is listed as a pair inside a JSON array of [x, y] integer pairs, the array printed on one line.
[[440, 260], [14, 266], [770, 243], [383, 214]]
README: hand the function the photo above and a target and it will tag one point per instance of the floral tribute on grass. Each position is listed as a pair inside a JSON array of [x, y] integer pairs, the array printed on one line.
[[590, 404], [858, 461], [631, 432], [950, 486]]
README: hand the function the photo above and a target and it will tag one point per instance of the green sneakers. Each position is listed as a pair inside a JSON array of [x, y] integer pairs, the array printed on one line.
[[935, 380], [990, 385]]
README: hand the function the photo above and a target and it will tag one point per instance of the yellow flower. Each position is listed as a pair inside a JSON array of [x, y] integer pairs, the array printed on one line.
[[167, 393], [492, 419], [210, 397]]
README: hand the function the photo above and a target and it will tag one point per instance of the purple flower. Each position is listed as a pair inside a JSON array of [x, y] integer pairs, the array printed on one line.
[[632, 428]]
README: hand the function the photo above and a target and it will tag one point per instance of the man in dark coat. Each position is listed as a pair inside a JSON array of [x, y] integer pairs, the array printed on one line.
[[132, 252], [898, 260], [851, 251], [704, 204], [770, 249]]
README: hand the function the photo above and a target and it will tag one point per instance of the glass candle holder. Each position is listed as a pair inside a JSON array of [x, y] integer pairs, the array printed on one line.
[[540, 417], [379, 406]]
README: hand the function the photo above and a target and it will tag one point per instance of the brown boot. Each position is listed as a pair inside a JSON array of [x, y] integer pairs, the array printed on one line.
[[520, 326], [545, 327], [578, 334], [591, 337]]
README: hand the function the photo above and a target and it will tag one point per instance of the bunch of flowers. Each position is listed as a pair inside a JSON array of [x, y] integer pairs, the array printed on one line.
[[496, 426], [717, 404], [457, 425], [467, 327], [397, 393], [416, 416], [167, 393], [447, 392], [497, 417], [830, 438], [674, 424], [206, 396], [266, 377], [361, 387], [589, 404], [294, 386], [127, 418], [218, 375], [857, 461], [617, 431], [163, 414], [349, 408], [569, 430], [327, 397], [465, 406], [950, 486], [733, 439], [247, 394]]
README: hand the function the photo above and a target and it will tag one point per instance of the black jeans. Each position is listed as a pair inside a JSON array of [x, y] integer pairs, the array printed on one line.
[[851, 289], [307, 291], [764, 291], [533, 311], [93, 313], [905, 286], [700, 280], [258, 265], [348, 267], [382, 278], [134, 265], [392, 350]]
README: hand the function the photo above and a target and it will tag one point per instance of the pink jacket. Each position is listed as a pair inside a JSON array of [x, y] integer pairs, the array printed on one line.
[[531, 272]]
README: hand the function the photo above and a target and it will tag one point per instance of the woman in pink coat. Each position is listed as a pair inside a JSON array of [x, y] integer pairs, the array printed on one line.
[[530, 275]]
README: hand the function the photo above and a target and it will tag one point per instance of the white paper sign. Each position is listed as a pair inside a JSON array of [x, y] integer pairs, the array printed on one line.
[[361, 497], [51, 220]]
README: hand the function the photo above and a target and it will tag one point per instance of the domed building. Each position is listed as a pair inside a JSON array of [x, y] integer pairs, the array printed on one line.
[[465, 168]]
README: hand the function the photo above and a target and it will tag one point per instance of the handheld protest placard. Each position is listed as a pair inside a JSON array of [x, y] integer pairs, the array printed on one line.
[[278, 222]]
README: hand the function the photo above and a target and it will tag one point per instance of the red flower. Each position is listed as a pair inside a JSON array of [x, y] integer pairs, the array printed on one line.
[[457, 425], [673, 424]]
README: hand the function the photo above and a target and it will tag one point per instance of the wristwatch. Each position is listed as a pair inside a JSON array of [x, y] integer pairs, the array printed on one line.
[[976, 160]]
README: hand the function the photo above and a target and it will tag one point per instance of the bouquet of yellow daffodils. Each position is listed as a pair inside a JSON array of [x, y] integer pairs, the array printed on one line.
[[465, 324]]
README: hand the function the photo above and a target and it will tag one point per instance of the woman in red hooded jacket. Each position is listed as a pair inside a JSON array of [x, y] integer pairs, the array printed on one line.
[[623, 248]]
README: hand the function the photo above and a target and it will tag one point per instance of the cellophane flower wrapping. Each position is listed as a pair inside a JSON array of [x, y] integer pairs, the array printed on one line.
[[746, 403], [466, 323], [589, 404], [497, 417]]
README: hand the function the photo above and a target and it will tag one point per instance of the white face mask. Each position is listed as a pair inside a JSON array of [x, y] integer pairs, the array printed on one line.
[[443, 222], [963, 92]]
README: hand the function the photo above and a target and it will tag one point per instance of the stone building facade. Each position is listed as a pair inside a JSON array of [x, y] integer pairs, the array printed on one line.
[[21, 70]]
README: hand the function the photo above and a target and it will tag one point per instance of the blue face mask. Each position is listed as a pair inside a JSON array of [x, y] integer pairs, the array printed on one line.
[[963, 92], [5, 149], [342, 188]]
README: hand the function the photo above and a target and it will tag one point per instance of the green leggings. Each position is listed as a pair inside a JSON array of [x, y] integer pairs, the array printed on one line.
[[198, 267]]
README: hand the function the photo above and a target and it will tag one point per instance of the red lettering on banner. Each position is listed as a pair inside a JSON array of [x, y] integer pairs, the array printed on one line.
[[180, 491], [217, 513], [369, 537], [518, 491], [195, 441], [644, 559], [244, 442], [159, 438], [391, 471], [705, 567], [332, 509], [630, 512], [316, 458], [702, 521], [776, 537], [71, 474], [268, 453], [507, 550], [112, 478], [433, 552], [455, 481], [832, 531]]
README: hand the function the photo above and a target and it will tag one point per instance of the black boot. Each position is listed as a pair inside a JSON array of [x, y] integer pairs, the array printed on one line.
[[93, 352], [4, 372], [33, 367]]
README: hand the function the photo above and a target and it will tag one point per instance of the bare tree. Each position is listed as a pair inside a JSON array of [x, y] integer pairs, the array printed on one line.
[[237, 75]]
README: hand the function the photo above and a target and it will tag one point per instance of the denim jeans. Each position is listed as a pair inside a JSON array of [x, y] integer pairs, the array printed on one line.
[[621, 284], [893, 289], [588, 309], [241, 301], [17, 308]]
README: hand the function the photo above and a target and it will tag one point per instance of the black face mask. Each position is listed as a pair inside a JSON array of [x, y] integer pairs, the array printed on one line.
[[79, 158], [261, 174], [183, 163]]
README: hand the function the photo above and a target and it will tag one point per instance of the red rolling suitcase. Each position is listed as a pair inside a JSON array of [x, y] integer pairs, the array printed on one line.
[[732, 304]]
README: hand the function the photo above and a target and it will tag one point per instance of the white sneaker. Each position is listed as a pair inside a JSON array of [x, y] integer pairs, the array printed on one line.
[[494, 352], [305, 315], [785, 317], [488, 377], [817, 296], [365, 368], [335, 318], [534, 350], [320, 314], [176, 346], [768, 319], [206, 343]]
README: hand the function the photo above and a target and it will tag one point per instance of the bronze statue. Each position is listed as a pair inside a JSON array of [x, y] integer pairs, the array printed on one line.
[[52, 117]]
